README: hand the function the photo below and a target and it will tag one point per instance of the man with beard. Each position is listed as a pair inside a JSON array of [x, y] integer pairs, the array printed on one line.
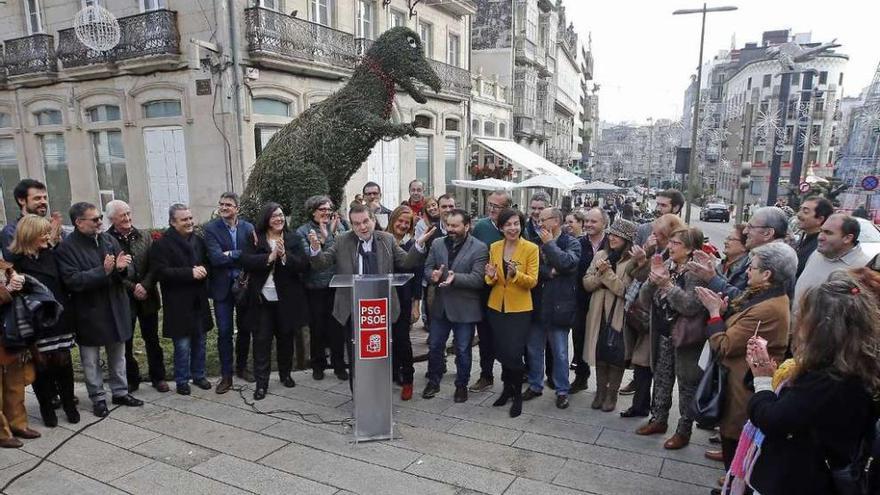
[[455, 267], [32, 198]]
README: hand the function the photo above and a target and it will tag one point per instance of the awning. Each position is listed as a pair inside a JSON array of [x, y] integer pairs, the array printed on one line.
[[525, 158], [488, 184]]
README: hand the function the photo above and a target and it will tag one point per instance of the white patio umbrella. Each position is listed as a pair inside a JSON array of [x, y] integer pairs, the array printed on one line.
[[548, 181], [488, 184], [597, 186], [814, 179]]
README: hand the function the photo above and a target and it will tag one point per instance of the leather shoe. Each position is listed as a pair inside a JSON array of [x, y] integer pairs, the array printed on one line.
[[632, 413], [318, 374], [714, 455], [530, 394], [430, 391], [246, 375], [26, 433], [224, 385], [287, 381], [203, 383], [461, 394], [715, 439], [341, 374], [562, 401], [579, 384], [161, 386], [628, 389], [183, 389], [72, 414], [676, 441], [406, 392], [100, 409], [260, 394], [128, 400], [10, 443], [652, 428]]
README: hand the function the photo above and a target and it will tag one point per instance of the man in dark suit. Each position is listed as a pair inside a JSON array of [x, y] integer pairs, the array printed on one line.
[[362, 251], [225, 238], [455, 266]]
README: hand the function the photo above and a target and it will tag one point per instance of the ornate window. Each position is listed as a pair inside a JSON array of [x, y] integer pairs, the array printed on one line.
[[424, 121], [271, 106], [162, 108], [48, 117], [103, 113], [451, 125]]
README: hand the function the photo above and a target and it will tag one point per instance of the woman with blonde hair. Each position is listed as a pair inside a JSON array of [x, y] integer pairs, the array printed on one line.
[[32, 255], [400, 225]]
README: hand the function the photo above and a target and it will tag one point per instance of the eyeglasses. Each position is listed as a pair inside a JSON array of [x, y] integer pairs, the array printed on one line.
[[277, 215], [325, 209], [494, 206], [750, 226], [372, 193], [227, 205], [732, 239], [94, 219]]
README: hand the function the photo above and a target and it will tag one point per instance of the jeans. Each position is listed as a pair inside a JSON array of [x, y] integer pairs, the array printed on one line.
[[91, 362], [227, 316], [462, 334], [557, 337], [189, 358], [155, 356]]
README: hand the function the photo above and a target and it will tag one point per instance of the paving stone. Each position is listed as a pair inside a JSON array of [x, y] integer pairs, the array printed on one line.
[[692, 473], [314, 396], [258, 478], [591, 453], [14, 470], [120, 434], [217, 412], [529, 422], [464, 475], [159, 478], [11, 457], [49, 439], [351, 474], [604, 480], [57, 480], [98, 460], [480, 431], [421, 419], [525, 486], [174, 452], [383, 454], [131, 415], [653, 445], [519, 462], [213, 435]]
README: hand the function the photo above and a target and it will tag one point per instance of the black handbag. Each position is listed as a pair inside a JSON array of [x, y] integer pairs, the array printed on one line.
[[707, 406], [610, 347], [239, 288]]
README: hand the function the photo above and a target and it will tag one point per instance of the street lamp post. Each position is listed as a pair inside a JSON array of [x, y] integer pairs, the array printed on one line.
[[692, 163]]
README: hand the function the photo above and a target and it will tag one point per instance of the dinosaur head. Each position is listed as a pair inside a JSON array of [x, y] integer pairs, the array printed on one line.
[[400, 54]]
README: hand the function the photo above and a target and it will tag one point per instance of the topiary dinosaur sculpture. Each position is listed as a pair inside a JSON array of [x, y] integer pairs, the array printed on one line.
[[321, 149]]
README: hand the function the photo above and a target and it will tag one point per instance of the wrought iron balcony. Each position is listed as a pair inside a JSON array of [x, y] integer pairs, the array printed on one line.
[[454, 80], [30, 55], [276, 34], [151, 33]]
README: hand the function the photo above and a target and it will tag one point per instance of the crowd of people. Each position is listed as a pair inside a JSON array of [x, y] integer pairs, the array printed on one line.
[[647, 297]]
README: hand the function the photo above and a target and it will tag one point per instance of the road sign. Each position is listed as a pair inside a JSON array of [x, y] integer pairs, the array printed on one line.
[[804, 187], [373, 328], [870, 182]]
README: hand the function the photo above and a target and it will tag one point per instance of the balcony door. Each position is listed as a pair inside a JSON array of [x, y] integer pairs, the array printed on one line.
[[166, 170], [383, 168]]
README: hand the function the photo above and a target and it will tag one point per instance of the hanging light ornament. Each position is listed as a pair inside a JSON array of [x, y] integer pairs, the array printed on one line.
[[96, 28]]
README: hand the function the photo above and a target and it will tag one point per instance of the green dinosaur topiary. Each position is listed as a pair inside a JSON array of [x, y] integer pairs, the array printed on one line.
[[321, 149]]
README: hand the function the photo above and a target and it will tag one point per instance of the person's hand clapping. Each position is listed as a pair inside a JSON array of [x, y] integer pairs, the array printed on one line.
[[437, 273], [712, 301], [314, 242], [109, 263], [16, 282], [449, 279], [638, 255], [199, 272], [702, 266], [491, 271], [123, 260]]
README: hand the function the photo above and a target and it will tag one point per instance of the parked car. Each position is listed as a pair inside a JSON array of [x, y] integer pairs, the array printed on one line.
[[715, 211]]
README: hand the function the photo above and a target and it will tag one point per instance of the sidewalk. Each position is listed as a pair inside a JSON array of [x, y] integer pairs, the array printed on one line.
[[215, 444]]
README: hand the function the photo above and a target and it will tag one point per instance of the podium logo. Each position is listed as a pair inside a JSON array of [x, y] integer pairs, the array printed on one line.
[[373, 328]]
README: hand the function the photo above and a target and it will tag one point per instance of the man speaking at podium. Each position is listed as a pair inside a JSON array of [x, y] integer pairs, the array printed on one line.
[[364, 251]]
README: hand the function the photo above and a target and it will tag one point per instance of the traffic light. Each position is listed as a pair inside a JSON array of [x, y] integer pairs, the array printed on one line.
[[745, 173]]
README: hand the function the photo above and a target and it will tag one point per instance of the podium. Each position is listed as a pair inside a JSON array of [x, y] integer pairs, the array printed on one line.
[[371, 359]]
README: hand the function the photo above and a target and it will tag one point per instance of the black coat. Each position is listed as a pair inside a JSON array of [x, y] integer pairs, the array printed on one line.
[[186, 310], [99, 302], [45, 269], [288, 277], [816, 418]]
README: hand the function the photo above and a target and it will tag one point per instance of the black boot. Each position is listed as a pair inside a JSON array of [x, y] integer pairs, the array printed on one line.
[[516, 407], [44, 389], [64, 385], [506, 394]]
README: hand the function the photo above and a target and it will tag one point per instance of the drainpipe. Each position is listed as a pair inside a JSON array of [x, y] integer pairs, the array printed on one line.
[[235, 48]]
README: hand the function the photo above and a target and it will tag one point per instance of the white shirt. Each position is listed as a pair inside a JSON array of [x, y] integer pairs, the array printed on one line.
[[269, 291]]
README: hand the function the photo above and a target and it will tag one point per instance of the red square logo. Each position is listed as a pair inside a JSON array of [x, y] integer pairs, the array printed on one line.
[[373, 324]]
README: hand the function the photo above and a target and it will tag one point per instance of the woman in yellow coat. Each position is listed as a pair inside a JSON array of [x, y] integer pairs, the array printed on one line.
[[512, 272]]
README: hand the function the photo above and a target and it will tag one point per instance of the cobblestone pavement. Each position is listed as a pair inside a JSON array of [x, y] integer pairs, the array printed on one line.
[[216, 444]]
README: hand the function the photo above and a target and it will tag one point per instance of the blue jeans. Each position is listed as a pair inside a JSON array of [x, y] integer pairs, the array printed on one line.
[[539, 333], [462, 334], [189, 358]]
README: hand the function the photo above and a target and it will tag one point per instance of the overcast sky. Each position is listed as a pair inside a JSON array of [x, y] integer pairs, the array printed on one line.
[[644, 55]]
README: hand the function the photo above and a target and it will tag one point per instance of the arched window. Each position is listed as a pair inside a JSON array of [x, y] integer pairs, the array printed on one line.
[[489, 129], [162, 108], [48, 117], [271, 106], [502, 130], [103, 113], [475, 127], [424, 121], [451, 125]]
